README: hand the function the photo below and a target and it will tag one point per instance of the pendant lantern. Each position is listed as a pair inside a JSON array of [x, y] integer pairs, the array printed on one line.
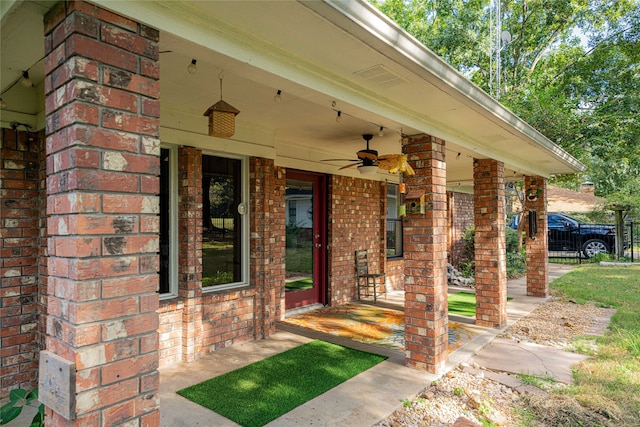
[[222, 118]]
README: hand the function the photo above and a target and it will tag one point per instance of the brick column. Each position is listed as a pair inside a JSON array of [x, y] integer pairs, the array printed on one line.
[[268, 243], [102, 118], [425, 257], [190, 249], [491, 257], [537, 254]]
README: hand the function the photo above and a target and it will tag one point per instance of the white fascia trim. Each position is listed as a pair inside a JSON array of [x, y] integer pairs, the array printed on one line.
[[375, 22], [228, 146]]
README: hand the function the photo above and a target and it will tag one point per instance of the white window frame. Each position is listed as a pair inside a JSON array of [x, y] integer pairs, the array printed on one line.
[[245, 222], [173, 221]]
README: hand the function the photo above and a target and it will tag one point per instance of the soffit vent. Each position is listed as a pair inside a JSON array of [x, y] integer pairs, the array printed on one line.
[[380, 75]]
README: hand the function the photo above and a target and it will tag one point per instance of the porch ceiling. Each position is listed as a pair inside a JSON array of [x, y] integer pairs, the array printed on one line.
[[325, 57]]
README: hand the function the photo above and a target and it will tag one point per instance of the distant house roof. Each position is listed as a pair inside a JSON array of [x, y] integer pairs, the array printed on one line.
[[563, 200]]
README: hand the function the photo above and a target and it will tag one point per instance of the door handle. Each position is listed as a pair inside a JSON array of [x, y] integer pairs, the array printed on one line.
[[318, 245]]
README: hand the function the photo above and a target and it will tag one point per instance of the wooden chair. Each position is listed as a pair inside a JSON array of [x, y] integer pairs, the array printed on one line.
[[368, 282]]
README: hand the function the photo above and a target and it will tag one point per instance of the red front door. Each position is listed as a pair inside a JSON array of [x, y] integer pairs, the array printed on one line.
[[306, 257]]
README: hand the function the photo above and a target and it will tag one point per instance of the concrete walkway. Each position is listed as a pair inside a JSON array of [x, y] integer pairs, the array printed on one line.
[[374, 394]]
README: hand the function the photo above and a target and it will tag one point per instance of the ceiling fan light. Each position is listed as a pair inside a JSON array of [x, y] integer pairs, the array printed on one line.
[[368, 170]]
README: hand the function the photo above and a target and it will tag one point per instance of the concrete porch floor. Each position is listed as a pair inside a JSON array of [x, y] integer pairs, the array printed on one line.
[[360, 401]]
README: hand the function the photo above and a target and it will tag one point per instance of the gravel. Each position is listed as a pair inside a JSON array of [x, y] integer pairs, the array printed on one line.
[[478, 394]]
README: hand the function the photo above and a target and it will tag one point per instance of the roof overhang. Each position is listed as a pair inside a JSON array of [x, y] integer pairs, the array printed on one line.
[[325, 56]]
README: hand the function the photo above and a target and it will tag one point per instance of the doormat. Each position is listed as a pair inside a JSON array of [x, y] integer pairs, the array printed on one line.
[[379, 326], [464, 303], [263, 391]]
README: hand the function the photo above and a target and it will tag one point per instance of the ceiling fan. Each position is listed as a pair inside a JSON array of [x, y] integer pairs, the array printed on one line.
[[368, 161]]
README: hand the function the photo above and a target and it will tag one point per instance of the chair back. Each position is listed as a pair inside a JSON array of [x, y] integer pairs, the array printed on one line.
[[362, 263]]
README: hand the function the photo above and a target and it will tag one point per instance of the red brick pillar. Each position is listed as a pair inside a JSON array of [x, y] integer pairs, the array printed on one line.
[[190, 249], [268, 243], [425, 256], [491, 256], [537, 256], [102, 119]]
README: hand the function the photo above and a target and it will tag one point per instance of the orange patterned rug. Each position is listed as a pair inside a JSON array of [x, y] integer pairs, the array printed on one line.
[[374, 325]]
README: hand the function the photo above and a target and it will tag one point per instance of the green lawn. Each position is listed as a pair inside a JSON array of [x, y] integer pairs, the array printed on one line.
[[609, 381]]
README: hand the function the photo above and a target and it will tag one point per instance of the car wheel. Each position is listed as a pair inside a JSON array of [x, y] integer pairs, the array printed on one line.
[[595, 246]]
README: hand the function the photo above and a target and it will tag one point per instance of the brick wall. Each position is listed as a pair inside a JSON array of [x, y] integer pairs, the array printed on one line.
[[356, 218], [170, 329], [228, 317], [21, 181], [394, 272], [460, 213], [102, 120], [268, 243], [190, 249]]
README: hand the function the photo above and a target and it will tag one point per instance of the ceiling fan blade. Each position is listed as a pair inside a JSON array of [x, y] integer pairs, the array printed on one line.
[[349, 166], [386, 164], [391, 157], [367, 154], [340, 160]]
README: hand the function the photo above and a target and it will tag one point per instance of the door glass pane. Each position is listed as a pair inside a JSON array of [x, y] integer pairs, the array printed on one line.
[[221, 228], [299, 256]]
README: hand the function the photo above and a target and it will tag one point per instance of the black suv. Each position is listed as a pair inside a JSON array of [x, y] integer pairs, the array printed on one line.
[[568, 234]]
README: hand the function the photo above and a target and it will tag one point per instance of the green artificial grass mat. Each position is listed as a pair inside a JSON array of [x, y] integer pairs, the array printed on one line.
[[463, 303], [300, 285], [261, 392]]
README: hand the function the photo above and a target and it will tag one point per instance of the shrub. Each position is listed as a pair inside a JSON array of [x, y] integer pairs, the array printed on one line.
[[516, 266]]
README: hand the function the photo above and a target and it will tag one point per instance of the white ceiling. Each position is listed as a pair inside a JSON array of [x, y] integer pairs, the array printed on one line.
[[324, 56]]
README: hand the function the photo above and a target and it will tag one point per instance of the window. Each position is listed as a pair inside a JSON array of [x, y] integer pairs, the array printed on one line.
[[394, 224], [168, 225], [292, 212], [225, 223]]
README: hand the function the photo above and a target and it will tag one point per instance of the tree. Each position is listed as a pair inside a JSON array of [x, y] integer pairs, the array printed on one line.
[[571, 70]]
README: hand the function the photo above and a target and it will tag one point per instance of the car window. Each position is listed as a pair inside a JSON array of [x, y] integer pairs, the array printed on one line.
[[556, 221]]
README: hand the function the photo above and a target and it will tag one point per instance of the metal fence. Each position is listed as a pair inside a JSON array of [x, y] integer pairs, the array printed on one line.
[[632, 230], [575, 243]]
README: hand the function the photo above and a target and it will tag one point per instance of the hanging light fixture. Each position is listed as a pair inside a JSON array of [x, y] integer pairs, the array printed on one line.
[[3, 104], [26, 81], [339, 117], [222, 118], [192, 68], [278, 98], [368, 170], [381, 131]]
